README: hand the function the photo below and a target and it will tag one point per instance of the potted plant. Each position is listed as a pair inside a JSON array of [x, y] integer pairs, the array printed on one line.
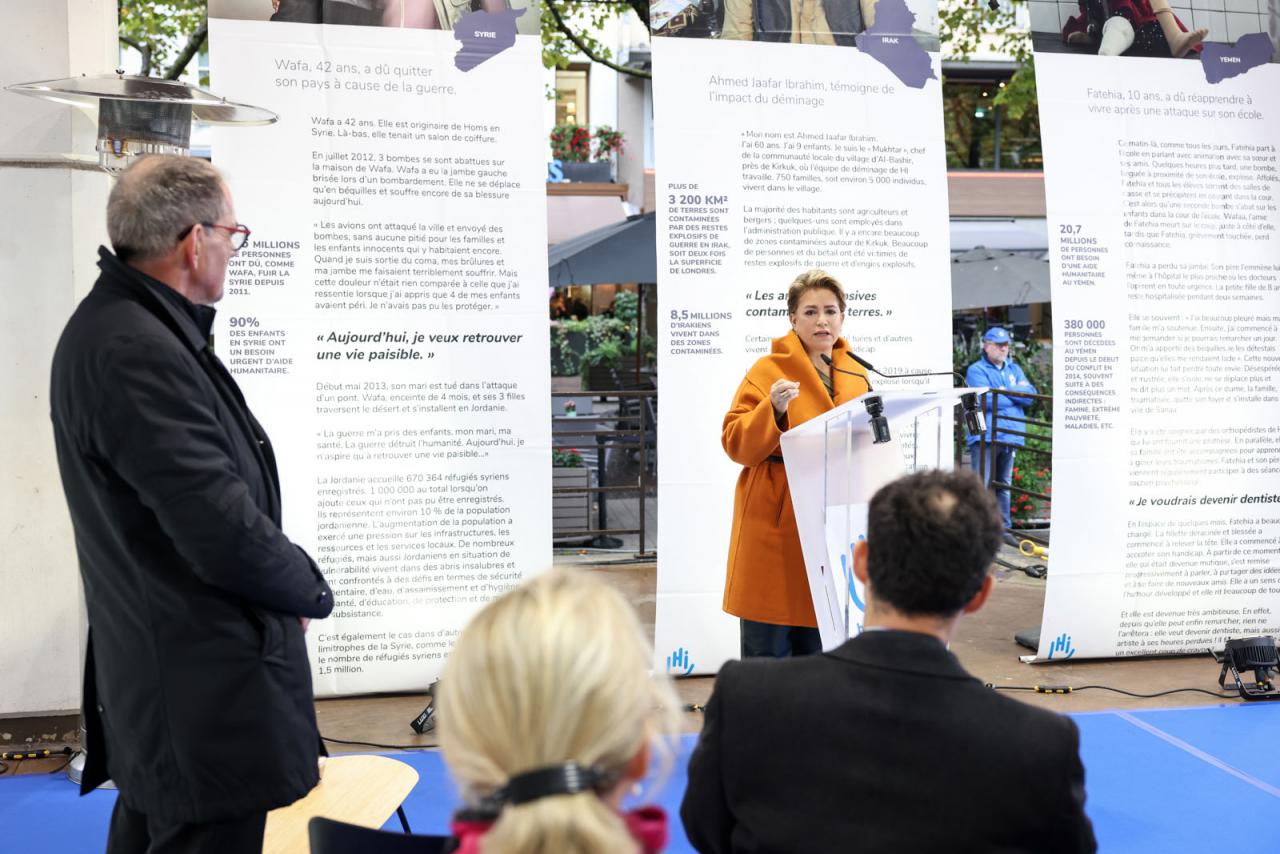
[[569, 511], [584, 156]]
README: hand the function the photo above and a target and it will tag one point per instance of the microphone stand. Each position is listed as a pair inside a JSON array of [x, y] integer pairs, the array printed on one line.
[[975, 423], [873, 403]]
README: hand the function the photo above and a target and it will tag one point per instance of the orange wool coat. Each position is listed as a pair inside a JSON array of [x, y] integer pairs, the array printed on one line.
[[766, 580]]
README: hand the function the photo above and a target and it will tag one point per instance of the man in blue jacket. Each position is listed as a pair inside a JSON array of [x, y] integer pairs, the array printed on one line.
[[996, 370]]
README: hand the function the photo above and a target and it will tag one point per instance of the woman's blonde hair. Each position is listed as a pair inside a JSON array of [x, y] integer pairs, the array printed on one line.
[[556, 670], [811, 280]]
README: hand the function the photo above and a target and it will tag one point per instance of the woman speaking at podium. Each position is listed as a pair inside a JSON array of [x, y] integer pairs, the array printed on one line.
[[766, 586]]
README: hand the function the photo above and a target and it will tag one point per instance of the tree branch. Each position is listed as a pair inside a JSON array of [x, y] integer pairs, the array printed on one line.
[[573, 37], [142, 48], [194, 43]]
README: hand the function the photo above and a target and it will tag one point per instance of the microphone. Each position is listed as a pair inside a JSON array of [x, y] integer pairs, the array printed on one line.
[[864, 363], [874, 405], [975, 423], [864, 377]]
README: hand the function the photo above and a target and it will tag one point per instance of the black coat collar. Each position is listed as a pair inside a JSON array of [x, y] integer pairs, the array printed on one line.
[[190, 322], [904, 652]]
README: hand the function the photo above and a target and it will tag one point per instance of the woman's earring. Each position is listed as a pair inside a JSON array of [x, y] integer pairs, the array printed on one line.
[[636, 789]]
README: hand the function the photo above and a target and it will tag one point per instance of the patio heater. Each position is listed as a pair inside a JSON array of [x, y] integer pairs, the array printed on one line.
[[136, 116]]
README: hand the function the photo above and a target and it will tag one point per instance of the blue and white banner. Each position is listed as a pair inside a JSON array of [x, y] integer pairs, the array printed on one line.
[[816, 145], [387, 321], [1162, 189]]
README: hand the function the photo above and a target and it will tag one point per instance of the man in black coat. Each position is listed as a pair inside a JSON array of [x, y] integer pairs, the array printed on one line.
[[886, 743], [197, 690]]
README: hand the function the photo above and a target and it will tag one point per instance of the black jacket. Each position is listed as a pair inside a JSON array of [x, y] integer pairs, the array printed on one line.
[[197, 693], [884, 744], [771, 20]]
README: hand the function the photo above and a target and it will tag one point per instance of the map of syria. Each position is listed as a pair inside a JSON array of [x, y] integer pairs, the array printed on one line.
[[1221, 61], [889, 42], [484, 35]]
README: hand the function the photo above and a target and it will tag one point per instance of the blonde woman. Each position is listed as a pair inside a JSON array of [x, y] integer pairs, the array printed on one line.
[[547, 716]]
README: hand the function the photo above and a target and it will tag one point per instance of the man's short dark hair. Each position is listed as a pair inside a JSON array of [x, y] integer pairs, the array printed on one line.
[[930, 538]]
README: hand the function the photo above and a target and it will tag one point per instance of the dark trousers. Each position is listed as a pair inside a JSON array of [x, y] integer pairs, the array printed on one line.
[[328, 12], [133, 832], [766, 640]]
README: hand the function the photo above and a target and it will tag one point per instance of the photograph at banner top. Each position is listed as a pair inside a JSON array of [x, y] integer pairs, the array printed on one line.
[[820, 22], [1249, 29], [411, 14]]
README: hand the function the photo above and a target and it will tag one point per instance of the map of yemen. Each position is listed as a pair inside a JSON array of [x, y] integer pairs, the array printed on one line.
[[484, 35], [1221, 61], [889, 42]]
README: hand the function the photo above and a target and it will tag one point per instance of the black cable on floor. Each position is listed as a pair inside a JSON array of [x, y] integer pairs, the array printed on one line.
[[1066, 689], [63, 766], [383, 746]]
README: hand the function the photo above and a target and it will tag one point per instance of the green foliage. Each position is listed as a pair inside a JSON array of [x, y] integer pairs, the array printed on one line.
[[567, 458], [626, 307], [163, 32], [970, 26], [584, 17], [605, 340]]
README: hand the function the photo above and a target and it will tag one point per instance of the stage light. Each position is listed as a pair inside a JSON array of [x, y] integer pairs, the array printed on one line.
[[1257, 654]]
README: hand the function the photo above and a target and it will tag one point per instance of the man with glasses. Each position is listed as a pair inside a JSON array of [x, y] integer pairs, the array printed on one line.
[[995, 370], [197, 690]]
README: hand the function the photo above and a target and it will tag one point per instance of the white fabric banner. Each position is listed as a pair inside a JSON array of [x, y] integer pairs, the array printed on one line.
[[387, 321], [1162, 214], [774, 158]]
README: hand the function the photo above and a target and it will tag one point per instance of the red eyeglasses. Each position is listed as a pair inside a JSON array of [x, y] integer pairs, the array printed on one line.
[[238, 233]]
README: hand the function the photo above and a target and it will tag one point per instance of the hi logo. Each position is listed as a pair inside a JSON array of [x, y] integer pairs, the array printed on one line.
[[846, 569], [679, 662], [1061, 647]]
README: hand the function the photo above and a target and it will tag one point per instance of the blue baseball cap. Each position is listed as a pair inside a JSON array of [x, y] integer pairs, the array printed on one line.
[[996, 335]]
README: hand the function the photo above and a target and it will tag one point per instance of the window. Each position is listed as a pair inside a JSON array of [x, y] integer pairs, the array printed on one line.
[[571, 96]]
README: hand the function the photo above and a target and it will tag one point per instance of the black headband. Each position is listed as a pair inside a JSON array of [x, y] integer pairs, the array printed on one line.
[[567, 779]]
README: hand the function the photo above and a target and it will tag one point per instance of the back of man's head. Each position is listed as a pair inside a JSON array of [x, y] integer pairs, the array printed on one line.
[[930, 540], [158, 197]]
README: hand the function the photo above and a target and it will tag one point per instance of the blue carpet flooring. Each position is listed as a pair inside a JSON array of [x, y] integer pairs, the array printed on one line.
[[1170, 780]]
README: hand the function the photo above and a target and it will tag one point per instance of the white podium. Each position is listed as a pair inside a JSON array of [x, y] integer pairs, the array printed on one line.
[[833, 469]]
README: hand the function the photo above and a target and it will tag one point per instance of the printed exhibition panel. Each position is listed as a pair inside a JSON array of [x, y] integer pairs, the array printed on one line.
[[1162, 190], [387, 321], [782, 145]]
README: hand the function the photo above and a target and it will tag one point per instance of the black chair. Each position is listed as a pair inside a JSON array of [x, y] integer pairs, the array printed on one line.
[[337, 837]]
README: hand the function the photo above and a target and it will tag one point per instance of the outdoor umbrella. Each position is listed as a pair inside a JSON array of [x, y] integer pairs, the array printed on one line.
[[982, 277], [623, 251]]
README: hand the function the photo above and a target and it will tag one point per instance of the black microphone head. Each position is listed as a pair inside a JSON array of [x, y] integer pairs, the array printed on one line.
[[861, 361], [826, 359]]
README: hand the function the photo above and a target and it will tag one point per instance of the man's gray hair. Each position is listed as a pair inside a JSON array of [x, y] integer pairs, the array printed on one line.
[[156, 198]]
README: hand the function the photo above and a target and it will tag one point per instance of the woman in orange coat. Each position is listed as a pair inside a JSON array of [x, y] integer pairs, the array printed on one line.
[[766, 586]]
